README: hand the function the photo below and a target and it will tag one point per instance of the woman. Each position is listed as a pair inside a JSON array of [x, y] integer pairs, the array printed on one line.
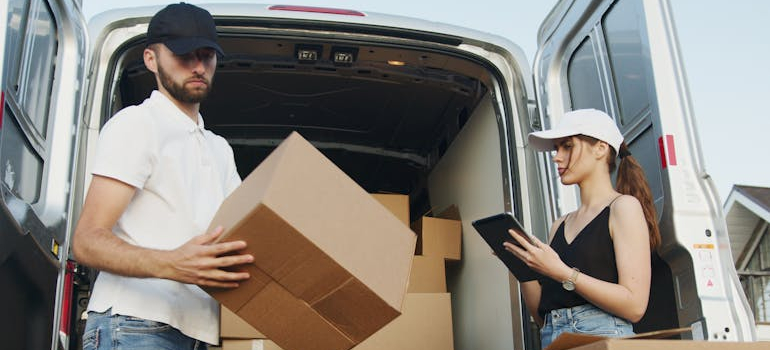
[[595, 275]]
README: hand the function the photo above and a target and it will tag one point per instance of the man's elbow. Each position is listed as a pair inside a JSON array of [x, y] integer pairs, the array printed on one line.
[[79, 249]]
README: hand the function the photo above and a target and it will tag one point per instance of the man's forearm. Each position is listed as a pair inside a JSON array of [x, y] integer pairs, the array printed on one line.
[[101, 249]]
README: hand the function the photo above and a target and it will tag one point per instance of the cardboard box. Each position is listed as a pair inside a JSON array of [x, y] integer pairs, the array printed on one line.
[[656, 344], [331, 264], [398, 204], [438, 237], [231, 326], [645, 341], [249, 344], [426, 324], [428, 275]]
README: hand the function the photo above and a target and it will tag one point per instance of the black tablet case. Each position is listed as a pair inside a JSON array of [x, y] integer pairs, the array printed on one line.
[[494, 230]]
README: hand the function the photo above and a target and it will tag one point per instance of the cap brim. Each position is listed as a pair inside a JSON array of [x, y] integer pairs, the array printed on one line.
[[543, 140], [183, 46]]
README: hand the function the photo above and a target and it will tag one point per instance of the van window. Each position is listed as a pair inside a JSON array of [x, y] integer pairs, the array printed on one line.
[[32, 47], [628, 55], [38, 77], [583, 70], [21, 166], [17, 10], [626, 93]]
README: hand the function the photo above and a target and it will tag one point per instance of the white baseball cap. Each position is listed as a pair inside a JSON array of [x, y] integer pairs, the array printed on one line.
[[588, 122]]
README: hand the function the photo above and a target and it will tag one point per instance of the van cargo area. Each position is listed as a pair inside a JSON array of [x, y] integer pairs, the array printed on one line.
[[385, 124], [397, 119]]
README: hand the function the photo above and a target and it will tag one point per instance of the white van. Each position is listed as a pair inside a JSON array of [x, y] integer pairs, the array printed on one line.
[[402, 105]]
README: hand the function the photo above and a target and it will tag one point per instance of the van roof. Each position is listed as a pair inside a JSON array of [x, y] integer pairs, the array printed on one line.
[[376, 23]]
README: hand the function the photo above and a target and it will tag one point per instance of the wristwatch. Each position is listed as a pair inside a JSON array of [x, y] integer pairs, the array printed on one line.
[[569, 284]]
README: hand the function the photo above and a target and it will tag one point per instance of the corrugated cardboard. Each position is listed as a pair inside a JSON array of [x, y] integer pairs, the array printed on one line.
[[426, 324], [438, 237], [646, 341], [428, 275], [249, 344], [331, 264], [655, 344], [231, 326], [398, 204]]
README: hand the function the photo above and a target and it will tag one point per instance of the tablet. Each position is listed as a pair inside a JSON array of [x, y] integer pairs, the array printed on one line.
[[494, 230], [496, 227]]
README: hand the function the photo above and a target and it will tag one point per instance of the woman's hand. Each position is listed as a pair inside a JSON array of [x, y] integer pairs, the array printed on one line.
[[538, 256]]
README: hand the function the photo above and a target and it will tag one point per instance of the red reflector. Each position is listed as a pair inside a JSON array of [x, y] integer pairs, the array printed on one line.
[[2, 107], [662, 153], [671, 149], [66, 309], [667, 151], [316, 10]]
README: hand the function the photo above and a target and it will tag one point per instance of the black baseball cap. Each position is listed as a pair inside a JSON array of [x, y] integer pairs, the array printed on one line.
[[183, 28]]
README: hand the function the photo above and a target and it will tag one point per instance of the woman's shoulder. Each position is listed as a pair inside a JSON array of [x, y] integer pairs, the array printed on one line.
[[625, 202], [626, 210]]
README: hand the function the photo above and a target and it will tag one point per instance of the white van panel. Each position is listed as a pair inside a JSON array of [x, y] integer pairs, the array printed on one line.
[[481, 292]]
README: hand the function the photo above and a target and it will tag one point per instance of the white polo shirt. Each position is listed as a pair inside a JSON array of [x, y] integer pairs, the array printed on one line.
[[182, 173]]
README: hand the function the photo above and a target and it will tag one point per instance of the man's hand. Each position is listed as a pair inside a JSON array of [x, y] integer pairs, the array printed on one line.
[[200, 261]]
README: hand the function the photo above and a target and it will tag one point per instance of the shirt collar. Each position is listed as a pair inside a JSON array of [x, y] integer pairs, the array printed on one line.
[[179, 117]]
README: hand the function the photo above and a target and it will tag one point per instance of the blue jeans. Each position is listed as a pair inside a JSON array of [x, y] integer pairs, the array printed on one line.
[[105, 331], [585, 319]]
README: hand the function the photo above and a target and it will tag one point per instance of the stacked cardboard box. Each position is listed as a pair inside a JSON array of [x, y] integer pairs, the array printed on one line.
[[249, 344], [426, 319], [324, 276], [237, 334]]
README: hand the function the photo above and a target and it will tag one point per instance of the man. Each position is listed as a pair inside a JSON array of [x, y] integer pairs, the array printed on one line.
[[158, 179]]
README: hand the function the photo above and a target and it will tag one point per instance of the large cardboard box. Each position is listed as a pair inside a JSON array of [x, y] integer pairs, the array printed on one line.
[[231, 326], [655, 344], [645, 341], [439, 237], [428, 275], [398, 204], [249, 344], [426, 324], [331, 265]]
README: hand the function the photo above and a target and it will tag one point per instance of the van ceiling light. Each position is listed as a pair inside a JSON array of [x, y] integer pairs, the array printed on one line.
[[307, 53], [328, 10], [343, 56], [396, 63]]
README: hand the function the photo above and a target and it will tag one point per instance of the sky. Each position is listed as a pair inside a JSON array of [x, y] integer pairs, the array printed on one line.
[[724, 46]]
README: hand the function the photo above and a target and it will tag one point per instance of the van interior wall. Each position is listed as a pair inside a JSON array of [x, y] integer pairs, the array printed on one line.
[[469, 175]]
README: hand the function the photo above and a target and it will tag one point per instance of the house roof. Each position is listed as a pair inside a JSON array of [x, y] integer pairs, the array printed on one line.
[[760, 195], [746, 208]]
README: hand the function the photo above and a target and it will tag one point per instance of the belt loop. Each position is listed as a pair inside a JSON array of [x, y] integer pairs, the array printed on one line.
[[569, 313]]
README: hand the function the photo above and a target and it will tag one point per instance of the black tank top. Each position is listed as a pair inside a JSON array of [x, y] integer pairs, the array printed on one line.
[[591, 252]]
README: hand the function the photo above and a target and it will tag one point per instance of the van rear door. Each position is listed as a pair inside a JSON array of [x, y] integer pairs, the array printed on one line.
[[622, 57], [43, 59]]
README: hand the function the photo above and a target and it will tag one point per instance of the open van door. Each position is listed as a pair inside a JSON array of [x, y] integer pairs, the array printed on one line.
[[622, 57], [43, 59]]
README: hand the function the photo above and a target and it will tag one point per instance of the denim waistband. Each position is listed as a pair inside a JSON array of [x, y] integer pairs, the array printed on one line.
[[568, 312]]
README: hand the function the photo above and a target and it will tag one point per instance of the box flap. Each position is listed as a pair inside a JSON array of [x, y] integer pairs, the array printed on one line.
[[451, 212], [349, 212], [571, 340]]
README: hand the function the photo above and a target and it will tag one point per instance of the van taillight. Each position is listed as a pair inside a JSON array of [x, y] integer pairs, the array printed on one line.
[[316, 10], [66, 309]]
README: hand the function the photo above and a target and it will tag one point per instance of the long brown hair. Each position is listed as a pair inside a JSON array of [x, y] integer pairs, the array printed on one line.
[[631, 181]]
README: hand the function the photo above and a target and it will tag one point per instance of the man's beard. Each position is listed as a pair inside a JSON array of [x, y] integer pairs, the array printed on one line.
[[182, 94]]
